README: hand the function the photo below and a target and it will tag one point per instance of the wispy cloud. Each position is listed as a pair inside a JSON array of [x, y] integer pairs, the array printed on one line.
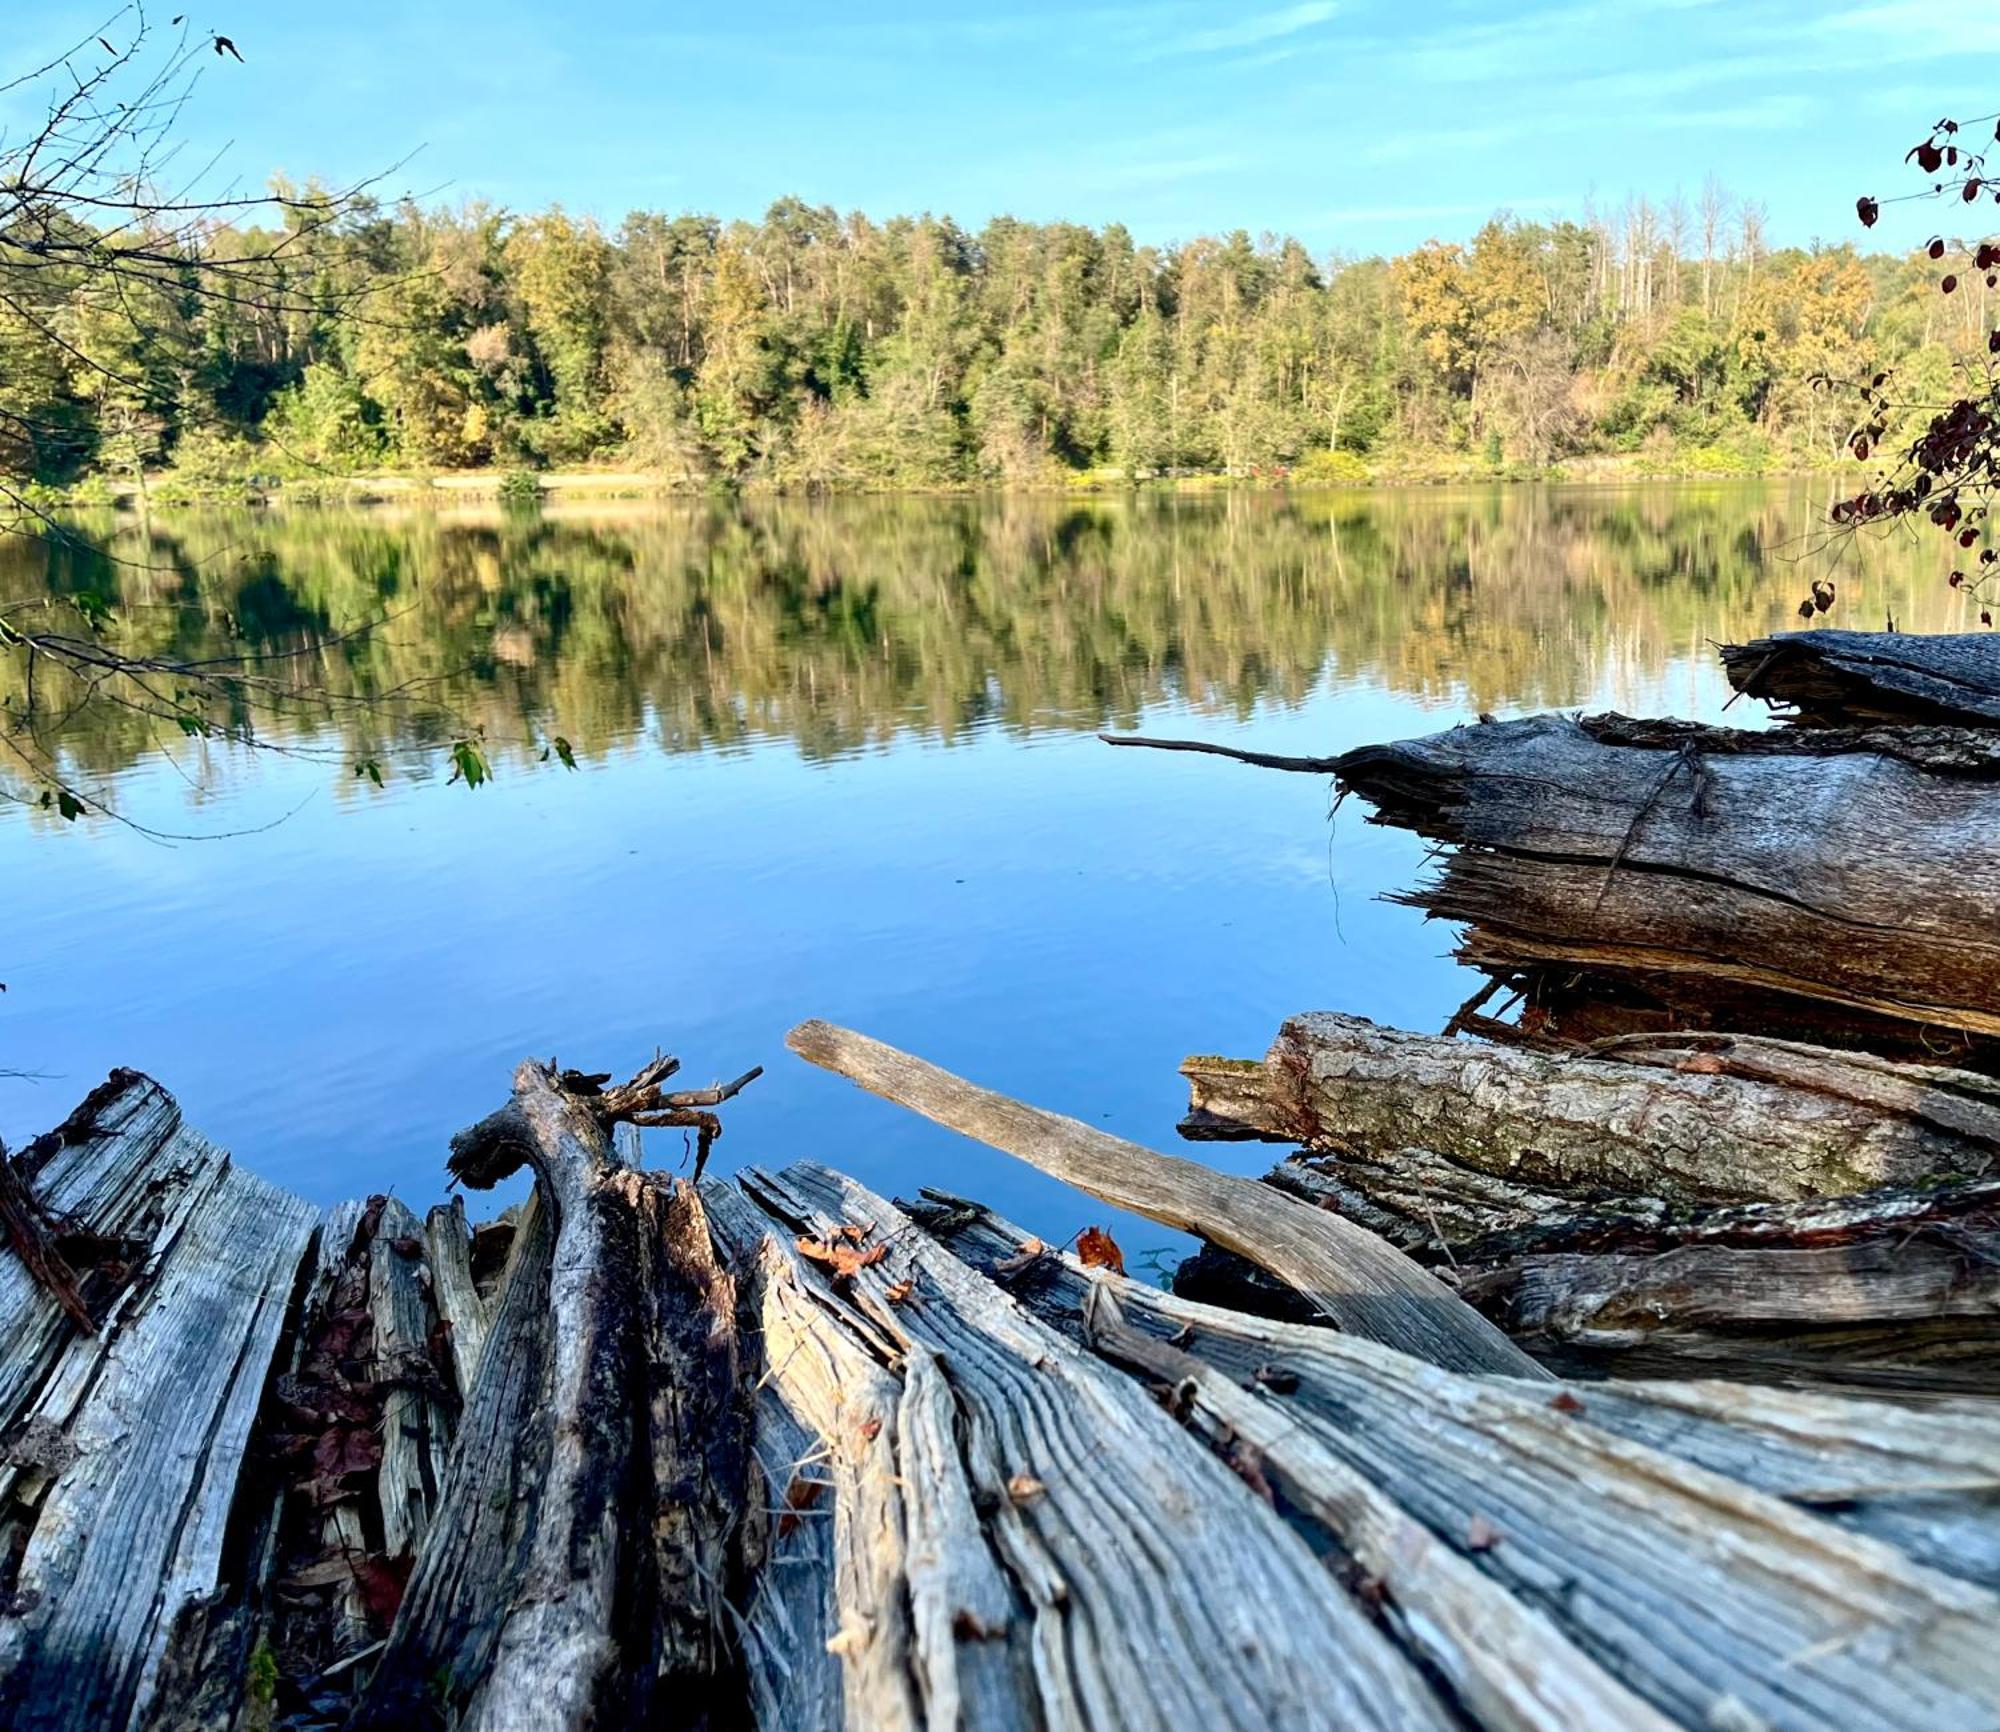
[[1252, 32]]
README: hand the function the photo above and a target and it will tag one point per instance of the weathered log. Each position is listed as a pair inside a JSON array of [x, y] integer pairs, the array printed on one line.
[[462, 1309], [1836, 677], [1718, 1600], [577, 1568], [1359, 1283], [1690, 1118], [1026, 1539], [123, 1449], [1857, 878]]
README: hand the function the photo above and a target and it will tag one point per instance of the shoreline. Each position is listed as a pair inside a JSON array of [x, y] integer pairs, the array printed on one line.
[[528, 488]]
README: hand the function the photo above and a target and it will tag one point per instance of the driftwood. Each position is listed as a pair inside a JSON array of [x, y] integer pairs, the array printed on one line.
[[1696, 1118], [1855, 877], [1835, 677], [777, 1452], [1355, 1280], [1575, 1200], [123, 1448], [579, 1561], [1533, 1545], [1020, 1536]]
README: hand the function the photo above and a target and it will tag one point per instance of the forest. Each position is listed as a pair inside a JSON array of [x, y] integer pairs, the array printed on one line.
[[814, 350]]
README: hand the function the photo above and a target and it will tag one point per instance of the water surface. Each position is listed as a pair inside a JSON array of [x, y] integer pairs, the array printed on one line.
[[834, 759]]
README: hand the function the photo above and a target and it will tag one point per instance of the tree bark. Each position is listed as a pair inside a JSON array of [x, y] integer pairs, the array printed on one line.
[[577, 1568], [1859, 877], [1831, 678]]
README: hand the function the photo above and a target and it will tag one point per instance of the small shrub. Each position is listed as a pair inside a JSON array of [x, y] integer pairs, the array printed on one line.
[[520, 487]]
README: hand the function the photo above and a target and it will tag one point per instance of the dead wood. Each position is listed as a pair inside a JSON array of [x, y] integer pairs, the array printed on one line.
[[1832, 677], [1358, 1282], [1857, 877], [1687, 1540], [1676, 1117], [577, 1567]]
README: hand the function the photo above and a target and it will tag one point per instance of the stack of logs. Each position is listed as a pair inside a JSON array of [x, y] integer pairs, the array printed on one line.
[[1746, 1119]]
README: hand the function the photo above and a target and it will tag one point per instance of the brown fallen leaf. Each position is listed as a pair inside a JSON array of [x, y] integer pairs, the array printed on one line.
[[1024, 1487], [1096, 1249], [871, 1429], [1031, 1251], [844, 1260], [900, 1291], [1481, 1535], [801, 1494], [1701, 1064], [1564, 1402], [858, 1233], [381, 1583]]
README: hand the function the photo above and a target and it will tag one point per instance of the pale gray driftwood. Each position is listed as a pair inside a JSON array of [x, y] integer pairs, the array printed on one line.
[[124, 1449], [1360, 1283], [1706, 1118], [1031, 1497], [461, 1307], [1721, 1598], [1835, 677]]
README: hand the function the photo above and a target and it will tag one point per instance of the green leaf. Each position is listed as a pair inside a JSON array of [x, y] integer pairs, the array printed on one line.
[[95, 609], [468, 764], [371, 768], [563, 752], [191, 725]]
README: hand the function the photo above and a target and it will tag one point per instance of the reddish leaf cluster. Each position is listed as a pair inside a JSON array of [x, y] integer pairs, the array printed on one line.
[[1949, 472], [842, 1253]]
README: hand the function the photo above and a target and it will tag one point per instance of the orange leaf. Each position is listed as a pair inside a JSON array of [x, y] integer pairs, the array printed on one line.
[[843, 1260], [1096, 1249]]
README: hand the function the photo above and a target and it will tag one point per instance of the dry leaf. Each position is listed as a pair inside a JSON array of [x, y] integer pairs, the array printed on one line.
[[801, 1494], [871, 1429], [1481, 1535], [843, 1260], [1031, 1250], [848, 1230], [1701, 1064], [1024, 1486], [1566, 1403], [1096, 1249], [899, 1291]]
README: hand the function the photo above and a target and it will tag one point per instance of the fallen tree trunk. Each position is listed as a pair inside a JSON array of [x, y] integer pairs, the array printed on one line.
[[1710, 1599], [1582, 1203], [1355, 1280], [578, 1565], [1833, 678], [1859, 877], [1694, 1118], [121, 1449]]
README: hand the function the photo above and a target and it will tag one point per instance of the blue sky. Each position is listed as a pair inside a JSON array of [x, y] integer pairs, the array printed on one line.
[[1359, 125]]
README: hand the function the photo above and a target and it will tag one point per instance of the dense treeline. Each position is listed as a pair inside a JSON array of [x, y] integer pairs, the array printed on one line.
[[818, 350]]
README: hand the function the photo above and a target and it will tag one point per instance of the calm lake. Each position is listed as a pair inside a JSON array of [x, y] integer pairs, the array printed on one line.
[[833, 759]]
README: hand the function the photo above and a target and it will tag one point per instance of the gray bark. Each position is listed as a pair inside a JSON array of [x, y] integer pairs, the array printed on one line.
[[1860, 878], [1359, 1283], [1679, 1538], [123, 1449], [577, 1567], [1835, 677]]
